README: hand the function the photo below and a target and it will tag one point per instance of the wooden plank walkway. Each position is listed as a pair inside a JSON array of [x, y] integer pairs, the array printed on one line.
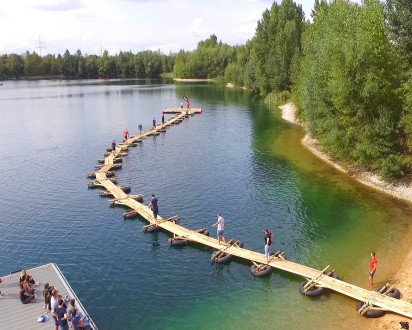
[[322, 280]]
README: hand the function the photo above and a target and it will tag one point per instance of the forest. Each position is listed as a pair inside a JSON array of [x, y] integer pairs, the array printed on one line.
[[348, 70]]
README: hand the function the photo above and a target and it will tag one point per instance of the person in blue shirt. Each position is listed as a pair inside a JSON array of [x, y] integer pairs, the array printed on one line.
[[154, 207], [61, 312], [140, 128]]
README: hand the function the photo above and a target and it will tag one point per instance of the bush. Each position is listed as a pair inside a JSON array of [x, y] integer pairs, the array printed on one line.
[[277, 97]]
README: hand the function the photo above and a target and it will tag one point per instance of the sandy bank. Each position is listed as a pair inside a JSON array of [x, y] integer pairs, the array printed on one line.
[[230, 85], [191, 80], [402, 190], [403, 277]]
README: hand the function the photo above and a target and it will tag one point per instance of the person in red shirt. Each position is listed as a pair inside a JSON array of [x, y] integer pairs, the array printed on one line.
[[126, 134], [372, 269]]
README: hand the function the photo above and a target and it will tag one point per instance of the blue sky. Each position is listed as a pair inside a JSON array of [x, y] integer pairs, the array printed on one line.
[[136, 25]]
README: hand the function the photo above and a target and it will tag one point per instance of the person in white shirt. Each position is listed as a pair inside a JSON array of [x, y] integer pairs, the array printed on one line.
[[220, 227]]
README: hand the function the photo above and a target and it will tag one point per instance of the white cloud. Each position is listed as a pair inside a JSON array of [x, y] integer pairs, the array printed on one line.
[[195, 29], [56, 5], [133, 25]]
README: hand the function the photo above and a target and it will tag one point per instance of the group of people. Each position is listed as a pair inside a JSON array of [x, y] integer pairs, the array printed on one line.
[[220, 224], [27, 291], [187, 105], [140, 127], [53, 303]]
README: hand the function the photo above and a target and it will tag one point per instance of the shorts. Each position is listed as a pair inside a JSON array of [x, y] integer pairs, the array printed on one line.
[[371, 274], [220, 232], [56, 323]]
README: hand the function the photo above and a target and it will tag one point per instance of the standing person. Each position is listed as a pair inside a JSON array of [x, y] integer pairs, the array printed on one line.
[[126, 134], [154, 122], [154, 207], [47, 297], [113, 145], [181, 105], [71, 309], [268, 242], [372, 269], [220, 227], [61, 312], [163, 118], [188, 105], [54, 304], [140, 128]]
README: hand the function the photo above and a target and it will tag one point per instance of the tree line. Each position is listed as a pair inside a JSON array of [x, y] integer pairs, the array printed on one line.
[[349, 72], [145, 64]]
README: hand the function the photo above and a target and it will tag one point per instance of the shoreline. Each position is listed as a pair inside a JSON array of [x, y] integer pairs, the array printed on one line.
[[403, 276], [192, 79], [399, 189]]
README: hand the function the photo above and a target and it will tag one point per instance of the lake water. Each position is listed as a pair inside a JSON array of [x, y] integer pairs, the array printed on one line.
[[238, 157]]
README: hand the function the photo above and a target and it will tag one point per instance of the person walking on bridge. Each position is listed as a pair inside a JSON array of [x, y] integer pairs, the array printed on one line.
[[140, 127], [268, 242], [220, 227], [154, 122], [126, 134], [153, 206], [163, 118], [113, 145], [372, 269]]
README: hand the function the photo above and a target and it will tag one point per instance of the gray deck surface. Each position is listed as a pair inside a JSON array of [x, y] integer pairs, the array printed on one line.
[[15, 315]]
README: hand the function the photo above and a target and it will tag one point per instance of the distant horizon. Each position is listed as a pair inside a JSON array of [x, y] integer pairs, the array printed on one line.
[[54, 26]]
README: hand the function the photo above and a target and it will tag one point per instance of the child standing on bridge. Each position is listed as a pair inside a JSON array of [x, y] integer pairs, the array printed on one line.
[[126, 134]]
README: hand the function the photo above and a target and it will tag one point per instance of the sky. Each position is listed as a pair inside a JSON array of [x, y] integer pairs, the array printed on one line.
[[52, 26]]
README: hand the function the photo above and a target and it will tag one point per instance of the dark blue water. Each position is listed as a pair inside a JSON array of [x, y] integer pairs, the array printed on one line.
[[237, 158]]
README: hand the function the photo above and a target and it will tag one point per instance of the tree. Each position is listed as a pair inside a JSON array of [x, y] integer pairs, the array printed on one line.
[[15, 66], [277, 39], [398, 14], [32, 64], [48, 66], [346, 86]]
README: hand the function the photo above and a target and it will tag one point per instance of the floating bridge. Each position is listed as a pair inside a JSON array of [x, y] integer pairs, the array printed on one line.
[[316, 278]]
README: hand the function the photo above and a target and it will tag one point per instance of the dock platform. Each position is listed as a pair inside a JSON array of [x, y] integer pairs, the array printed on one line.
[[15, 315], [314, 276]]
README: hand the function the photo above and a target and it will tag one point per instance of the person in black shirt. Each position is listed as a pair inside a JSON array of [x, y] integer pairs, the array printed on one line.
[[268, 242]]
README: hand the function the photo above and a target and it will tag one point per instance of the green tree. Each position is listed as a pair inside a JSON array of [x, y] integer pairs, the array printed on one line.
[[398, 14], [347, 86], [277, 39], [48, 65], [15, 66], [32, 64]]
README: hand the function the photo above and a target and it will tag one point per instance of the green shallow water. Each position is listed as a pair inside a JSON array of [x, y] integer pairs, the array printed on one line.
[[239, 157]]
